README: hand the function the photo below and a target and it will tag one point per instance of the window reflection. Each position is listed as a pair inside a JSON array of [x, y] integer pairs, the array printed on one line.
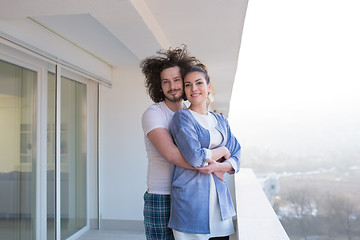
[[73, 156], [17, 151]]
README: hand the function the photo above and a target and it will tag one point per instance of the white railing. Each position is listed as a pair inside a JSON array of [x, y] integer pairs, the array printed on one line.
[[256, 219]]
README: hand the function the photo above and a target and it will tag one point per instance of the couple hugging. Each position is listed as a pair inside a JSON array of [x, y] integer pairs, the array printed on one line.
[[189, 150]]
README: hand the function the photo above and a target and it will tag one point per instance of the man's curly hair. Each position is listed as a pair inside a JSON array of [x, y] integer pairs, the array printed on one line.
[[153, 66]]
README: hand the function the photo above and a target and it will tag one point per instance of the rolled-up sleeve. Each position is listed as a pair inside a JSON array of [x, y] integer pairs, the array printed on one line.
[[234, 148], [186, 138], [234, 165]]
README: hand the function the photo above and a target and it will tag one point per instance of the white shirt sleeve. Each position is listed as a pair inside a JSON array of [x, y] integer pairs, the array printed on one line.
[[208, 153], [153, 118]]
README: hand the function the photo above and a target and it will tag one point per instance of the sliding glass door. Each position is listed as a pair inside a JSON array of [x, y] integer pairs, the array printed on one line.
[[73, 156], [43, 150], [18, 156], [72, 147]]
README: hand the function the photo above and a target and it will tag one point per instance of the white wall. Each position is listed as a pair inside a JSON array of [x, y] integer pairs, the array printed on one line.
[[123, 162]]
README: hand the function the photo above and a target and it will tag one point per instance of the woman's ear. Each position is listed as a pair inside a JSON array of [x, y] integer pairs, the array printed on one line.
[[209, 88]]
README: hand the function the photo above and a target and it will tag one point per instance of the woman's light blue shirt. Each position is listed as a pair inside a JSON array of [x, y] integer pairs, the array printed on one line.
[[190, 189]]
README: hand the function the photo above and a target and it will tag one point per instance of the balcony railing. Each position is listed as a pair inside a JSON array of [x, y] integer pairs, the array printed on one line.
[[256, 219]]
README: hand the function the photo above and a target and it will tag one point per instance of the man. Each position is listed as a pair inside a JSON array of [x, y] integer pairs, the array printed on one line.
[[164, 84]]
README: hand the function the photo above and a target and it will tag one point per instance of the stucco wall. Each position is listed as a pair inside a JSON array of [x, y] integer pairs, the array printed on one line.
[[123, 162]]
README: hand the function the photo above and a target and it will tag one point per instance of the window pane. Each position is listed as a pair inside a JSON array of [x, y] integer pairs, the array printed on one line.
[[73, 156], [17, 151]]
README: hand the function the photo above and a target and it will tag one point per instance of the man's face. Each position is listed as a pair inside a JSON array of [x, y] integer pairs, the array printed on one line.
[[172, 84]]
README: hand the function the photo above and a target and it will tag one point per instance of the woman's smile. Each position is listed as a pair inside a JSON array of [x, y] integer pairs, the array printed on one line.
[[195, 94]]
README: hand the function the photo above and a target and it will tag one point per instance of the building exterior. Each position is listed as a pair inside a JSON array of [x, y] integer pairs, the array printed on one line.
[[71, 99], [270, 184]]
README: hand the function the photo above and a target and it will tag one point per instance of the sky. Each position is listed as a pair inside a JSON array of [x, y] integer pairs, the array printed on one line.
[[297, 86]]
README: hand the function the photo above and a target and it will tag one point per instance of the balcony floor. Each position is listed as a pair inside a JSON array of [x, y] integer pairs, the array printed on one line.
[[116, 235], [112, 235]]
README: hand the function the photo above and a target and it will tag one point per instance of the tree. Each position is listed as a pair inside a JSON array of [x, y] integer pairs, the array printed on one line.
[[344, 210], [303, 204]]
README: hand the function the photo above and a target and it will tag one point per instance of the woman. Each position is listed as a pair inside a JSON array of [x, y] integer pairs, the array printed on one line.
[[201, 206]]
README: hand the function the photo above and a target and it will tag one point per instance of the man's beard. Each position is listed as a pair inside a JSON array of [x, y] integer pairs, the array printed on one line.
[[173, 98]]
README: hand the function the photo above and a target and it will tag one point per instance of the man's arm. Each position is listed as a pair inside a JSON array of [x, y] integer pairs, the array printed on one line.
[[164, 144]]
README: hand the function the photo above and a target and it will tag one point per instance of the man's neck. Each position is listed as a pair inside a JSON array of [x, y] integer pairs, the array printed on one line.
[[174, 106]]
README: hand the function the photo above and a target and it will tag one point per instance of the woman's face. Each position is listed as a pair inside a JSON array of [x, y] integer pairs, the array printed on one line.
[[196, 88]]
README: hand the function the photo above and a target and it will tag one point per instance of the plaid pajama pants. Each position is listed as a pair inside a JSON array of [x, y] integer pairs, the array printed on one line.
[[156, 217]]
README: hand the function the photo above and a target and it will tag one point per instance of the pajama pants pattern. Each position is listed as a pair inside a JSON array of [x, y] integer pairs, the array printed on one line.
[[156, 217]]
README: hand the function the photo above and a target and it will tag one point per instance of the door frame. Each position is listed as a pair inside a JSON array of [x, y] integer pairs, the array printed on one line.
[[23, 57]]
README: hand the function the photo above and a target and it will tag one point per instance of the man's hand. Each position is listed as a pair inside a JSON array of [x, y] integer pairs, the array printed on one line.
[[213, 167], [220, 175]]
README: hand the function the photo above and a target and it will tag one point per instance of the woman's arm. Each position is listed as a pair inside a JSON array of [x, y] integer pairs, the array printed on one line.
[[231, 163], [234, 147], [219, 153], [216, 163], [186, 138]]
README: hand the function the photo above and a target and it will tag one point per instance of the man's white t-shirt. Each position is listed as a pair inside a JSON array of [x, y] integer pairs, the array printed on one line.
[[157, 115]]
